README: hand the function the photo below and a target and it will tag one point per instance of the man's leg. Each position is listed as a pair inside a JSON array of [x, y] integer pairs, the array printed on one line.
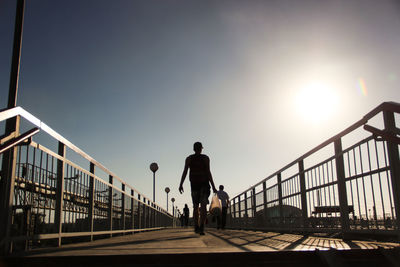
[[196, 217], [203, 216], [224, 212]]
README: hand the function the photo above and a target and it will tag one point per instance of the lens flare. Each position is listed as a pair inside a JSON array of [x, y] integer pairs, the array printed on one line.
[[362, 87]]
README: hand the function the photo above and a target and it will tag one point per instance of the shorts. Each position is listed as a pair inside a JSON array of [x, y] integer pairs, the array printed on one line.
[[200, 194]]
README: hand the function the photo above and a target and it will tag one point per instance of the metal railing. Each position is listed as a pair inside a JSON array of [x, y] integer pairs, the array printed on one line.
[[349, 190], [51, 200]]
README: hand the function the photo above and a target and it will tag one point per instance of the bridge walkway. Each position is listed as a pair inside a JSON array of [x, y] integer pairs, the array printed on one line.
[[182, 247]]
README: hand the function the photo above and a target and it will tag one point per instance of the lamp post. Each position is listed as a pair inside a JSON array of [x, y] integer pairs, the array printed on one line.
[[154, 168], [167, 191], [173, 210]]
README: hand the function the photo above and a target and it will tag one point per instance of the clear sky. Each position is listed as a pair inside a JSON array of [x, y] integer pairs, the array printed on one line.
[[259, 83]]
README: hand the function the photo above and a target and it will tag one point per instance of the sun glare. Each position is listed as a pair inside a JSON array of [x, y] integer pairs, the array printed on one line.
[[316, 102]]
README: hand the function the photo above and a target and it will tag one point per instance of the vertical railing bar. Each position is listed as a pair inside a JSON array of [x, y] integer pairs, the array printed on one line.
[[19, 166], [39, 189], [344, 209], [357, 184], [47, 184], [363, 184], [240, 209], [388, 180], [110, 203], [51, 182], [351, 183], [132, 212], [324, 181], [380, 179], [60, 191], [329, 188], [303, 193], [123, 207], [394, 162], [91, 200], [372, 186], [310, 195], [265, 200], [311, 192], [66, 189], [279, 179]]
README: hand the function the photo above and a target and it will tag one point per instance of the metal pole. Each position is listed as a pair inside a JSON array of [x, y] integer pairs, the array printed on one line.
[[59, 192], [12, 127], [16, 56], [154, 187], [341, 178], [91, 200], [167, 202], [394, 162]]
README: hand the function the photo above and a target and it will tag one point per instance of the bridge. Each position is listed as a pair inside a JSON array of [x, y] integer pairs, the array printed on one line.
[[342, 201], [336, 205]]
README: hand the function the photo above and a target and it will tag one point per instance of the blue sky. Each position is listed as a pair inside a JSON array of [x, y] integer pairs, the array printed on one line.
[[135, 82]]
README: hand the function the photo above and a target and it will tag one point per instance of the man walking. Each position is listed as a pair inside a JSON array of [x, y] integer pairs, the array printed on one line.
[[224, 197], [200, 178], [186, 215]]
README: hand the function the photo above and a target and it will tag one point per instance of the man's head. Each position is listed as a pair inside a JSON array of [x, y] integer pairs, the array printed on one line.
[[197, 147], [221, 187]]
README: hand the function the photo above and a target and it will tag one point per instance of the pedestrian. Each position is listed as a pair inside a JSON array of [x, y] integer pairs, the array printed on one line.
[[186, 215], [224, 197], [200, 179]]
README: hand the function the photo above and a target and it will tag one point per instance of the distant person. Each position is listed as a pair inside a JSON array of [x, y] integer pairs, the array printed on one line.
[[200, 178], [186, 215], [224, 197]]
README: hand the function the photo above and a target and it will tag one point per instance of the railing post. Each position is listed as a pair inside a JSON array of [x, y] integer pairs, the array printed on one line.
[[233, 206], [394, 162], [139, 211], [265, 201], [59, 192], [240, 211], [279, 180], [303, 194], [7, 183], [110, 204], [253, 204], [132, 211], [123, 207], [91, 201], [340, 174], [246, 213], [144, 225]]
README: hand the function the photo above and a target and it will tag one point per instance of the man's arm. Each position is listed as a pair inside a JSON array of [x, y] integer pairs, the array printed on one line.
[[185, 170], [210, 178]]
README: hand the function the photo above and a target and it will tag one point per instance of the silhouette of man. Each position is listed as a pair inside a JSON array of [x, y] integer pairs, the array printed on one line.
[[186, 215], [200, 178], [224, 197]]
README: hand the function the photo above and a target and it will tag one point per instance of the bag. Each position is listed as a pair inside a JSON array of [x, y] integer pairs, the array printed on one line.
[[216, 206]]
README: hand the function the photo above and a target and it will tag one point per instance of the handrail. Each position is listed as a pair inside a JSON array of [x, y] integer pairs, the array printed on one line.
[[385, 106], [19, 111], [15, 141]]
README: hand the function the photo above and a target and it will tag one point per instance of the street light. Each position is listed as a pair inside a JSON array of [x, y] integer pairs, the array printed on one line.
[[154, 168], [167, 191], [173, 210]]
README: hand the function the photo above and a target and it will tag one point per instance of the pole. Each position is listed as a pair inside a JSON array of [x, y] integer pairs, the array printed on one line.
[[12, 127], [167, 202], [154, 187]]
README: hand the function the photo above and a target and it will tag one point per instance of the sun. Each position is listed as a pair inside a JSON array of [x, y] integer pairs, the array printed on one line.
[[316, 102]]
